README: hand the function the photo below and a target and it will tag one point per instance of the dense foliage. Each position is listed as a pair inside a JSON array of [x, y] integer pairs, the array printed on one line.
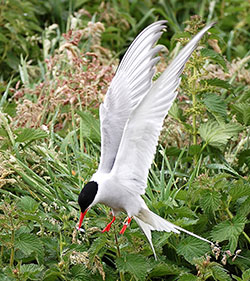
[[58, 58]]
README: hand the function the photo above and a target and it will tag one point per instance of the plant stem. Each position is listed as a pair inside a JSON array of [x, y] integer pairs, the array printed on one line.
[[231, 217], [194, 125], [117, 246], [194, 120], [122, 278], [12, 251], [246, 236], [1, 260]]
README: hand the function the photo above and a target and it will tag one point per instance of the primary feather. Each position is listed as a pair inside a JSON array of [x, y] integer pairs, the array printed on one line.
[[131, 82], [142, 130]]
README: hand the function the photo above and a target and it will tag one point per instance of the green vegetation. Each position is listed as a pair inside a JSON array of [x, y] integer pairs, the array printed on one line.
[[57, 60]]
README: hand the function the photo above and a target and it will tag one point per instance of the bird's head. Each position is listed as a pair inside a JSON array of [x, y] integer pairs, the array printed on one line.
[[86, 198]]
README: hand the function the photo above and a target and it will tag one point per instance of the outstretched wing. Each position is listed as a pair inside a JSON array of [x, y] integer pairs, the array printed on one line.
[[131, 82], [140, 137]]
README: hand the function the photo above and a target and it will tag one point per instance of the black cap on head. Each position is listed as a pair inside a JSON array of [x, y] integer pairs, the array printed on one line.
[[87, 195]]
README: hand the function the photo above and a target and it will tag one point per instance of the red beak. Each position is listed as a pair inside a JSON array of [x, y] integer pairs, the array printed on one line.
[[81, 218]]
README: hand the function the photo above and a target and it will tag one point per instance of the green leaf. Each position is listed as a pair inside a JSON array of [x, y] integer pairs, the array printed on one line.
[[215, 104], [91, 126], [244, 209], [191, 248], [242, 111], [194, 149], [218, 83], [216, 134], [30, 134], [183, 212], [210, 200], [5, 94], [176, 112], [214, 56], [79, 272], [244, 157], [220, 274], [237, 278], [229, 230], [163, 268], [3, 277], [28, 243], [215, 166], [246, 275], [188, 277], [96, 247], [138, 266], [53, 274], [31, 271], [239, 190], [28, 204]]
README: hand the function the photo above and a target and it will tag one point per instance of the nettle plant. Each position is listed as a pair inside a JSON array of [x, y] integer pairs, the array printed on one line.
[[198, 179]]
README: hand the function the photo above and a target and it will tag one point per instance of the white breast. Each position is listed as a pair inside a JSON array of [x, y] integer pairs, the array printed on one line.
[[112, 193]]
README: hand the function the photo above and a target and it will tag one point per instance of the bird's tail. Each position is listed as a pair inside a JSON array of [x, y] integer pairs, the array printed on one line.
[[148, 221]]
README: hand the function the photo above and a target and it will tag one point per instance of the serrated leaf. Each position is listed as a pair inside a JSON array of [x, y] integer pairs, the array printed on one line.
[[28, 243], [218, 83], [31, 271], [244, 209], [164, 268], [96, 246], [214, 56], [220, 273], [246, 275], [216, 134], [3, 277], [28, 204], [176, 112], [244, 157], [79, 272], [30, 134], [239, 190], [194, 149], [242, 111], [210, 201], [229, 230], [53, 274], [183, 212], [138, 266], [215, 104], [188, 277], [191, 248]]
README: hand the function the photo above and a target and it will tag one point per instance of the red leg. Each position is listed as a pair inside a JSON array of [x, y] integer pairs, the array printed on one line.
[[125, 225], [107, 228]]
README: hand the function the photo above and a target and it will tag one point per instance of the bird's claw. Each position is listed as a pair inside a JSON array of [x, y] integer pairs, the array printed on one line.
[[125, 225], [123, 228], [80, 229], [107, 228]]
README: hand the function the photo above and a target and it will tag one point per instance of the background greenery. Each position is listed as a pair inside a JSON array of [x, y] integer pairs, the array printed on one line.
[[57, 60]]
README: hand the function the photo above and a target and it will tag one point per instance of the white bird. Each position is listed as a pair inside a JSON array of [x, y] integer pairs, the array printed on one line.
[[131, 119]]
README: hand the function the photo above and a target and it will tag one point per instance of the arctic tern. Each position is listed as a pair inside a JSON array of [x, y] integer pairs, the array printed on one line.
[[131, 119]]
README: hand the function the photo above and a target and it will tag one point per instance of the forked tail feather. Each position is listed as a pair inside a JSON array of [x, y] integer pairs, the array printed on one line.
[[148, 221]]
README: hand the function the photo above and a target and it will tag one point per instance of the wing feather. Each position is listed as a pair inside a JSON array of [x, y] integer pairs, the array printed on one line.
[[140, 137], [131, 82]]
